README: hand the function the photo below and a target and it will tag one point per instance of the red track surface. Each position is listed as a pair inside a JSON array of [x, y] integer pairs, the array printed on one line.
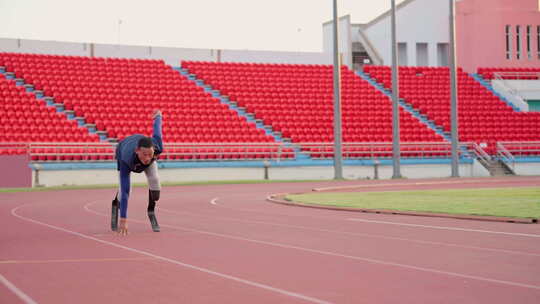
[[227, 244]]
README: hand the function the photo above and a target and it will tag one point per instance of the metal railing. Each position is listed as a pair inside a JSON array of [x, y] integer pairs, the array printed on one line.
[[505, 156], [103, 152], [520, 149], [516, 75], [378, 150], [478, 152]]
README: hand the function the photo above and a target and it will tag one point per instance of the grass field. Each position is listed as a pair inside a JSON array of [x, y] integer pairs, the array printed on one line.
[[510, 202]]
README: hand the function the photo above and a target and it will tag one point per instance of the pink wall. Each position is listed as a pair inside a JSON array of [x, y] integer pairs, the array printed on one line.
[[481, 35], [15, 171]]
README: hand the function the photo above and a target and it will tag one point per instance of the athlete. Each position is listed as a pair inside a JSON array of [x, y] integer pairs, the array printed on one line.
[[138, 153]]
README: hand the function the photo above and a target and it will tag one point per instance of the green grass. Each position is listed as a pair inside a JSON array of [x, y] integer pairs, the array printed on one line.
[[509, 202], [166, 184]]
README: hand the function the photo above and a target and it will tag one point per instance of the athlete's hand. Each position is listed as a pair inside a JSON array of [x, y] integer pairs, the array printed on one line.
[[156, 113], [123, 227]]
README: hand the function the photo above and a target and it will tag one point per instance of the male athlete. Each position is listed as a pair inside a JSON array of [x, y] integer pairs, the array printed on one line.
[[138, 153]]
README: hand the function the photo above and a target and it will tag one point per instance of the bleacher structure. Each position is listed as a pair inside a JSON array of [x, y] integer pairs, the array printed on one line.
[[69, 108], [483, 117]]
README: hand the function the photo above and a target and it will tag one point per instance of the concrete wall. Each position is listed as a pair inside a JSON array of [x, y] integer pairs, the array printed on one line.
[[345, 39], [503, 87], [44, 47], [275, 57], [171, 56], [95, 177], [527, 89], [418, 21], [527, 168]]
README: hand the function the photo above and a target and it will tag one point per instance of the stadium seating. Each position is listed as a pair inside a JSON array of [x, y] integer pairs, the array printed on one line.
[[297, 100], [119, 95], [483, 117], [23, 118]]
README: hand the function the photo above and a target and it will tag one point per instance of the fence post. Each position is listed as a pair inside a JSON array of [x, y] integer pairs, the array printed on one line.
[[376, 164], [266, 164]]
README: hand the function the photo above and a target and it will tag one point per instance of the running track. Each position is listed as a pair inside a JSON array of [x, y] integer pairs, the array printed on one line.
[[227, 244]]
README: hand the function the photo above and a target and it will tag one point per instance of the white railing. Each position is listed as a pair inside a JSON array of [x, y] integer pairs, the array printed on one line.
[[478, 152], [61, 152], [103, 152], [520, 149], [226, 151], [378, 150], [516, 75], [505, 156]]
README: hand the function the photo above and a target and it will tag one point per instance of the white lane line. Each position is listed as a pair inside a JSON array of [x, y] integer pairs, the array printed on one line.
[[214, 201], [204, 270], [356, 234], [19, 293], [328, 253], [446, 228], [408, 184]]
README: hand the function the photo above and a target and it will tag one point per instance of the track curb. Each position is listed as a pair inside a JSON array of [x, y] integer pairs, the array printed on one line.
[[279, 198]]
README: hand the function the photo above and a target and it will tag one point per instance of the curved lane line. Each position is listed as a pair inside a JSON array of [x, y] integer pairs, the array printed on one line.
[[447, 228], [355, 234], [193, 267], [328, 253]]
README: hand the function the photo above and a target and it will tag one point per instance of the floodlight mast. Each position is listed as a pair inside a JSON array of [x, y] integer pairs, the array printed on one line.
[[338, 158], [453, 92], [396, 155]]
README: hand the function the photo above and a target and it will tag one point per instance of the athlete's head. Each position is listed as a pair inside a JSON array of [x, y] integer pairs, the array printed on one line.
[[145, 150]]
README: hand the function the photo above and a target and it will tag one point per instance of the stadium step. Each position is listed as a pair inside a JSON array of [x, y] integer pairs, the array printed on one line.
[[497, 167], [414, 112], [240, 110], [50, 102]]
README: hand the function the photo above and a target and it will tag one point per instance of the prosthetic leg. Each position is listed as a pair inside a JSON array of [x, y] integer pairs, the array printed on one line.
[[114, 213], [153, 196]]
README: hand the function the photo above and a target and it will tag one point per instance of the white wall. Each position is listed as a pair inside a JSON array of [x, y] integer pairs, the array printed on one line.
[[501, 87], [528, 89], [274, 57], [171, 56], [527, 168], [44, 47], [418, 21], [101, 177], [344, 40]]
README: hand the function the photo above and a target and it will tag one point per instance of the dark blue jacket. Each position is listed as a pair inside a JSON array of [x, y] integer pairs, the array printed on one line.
[[127, 161]]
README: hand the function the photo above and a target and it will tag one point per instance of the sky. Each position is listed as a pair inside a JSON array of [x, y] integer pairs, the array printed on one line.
[[276, 25]]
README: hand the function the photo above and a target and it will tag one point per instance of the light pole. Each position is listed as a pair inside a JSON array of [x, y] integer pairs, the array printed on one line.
[[338, 159], [453, 92], [396, 155]]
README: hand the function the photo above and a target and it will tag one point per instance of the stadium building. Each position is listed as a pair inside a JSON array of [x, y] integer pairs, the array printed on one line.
[[238, 114]]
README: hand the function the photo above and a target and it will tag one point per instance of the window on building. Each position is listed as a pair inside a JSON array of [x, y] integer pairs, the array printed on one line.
[[518, 42], [402, 53], [508, 42], [422, 56], [442, 54], [538, 40], [529, 51]]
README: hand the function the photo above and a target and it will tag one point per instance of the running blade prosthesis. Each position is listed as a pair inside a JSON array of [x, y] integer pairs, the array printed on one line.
[[114, 215], [153, 196], [153, 221]]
